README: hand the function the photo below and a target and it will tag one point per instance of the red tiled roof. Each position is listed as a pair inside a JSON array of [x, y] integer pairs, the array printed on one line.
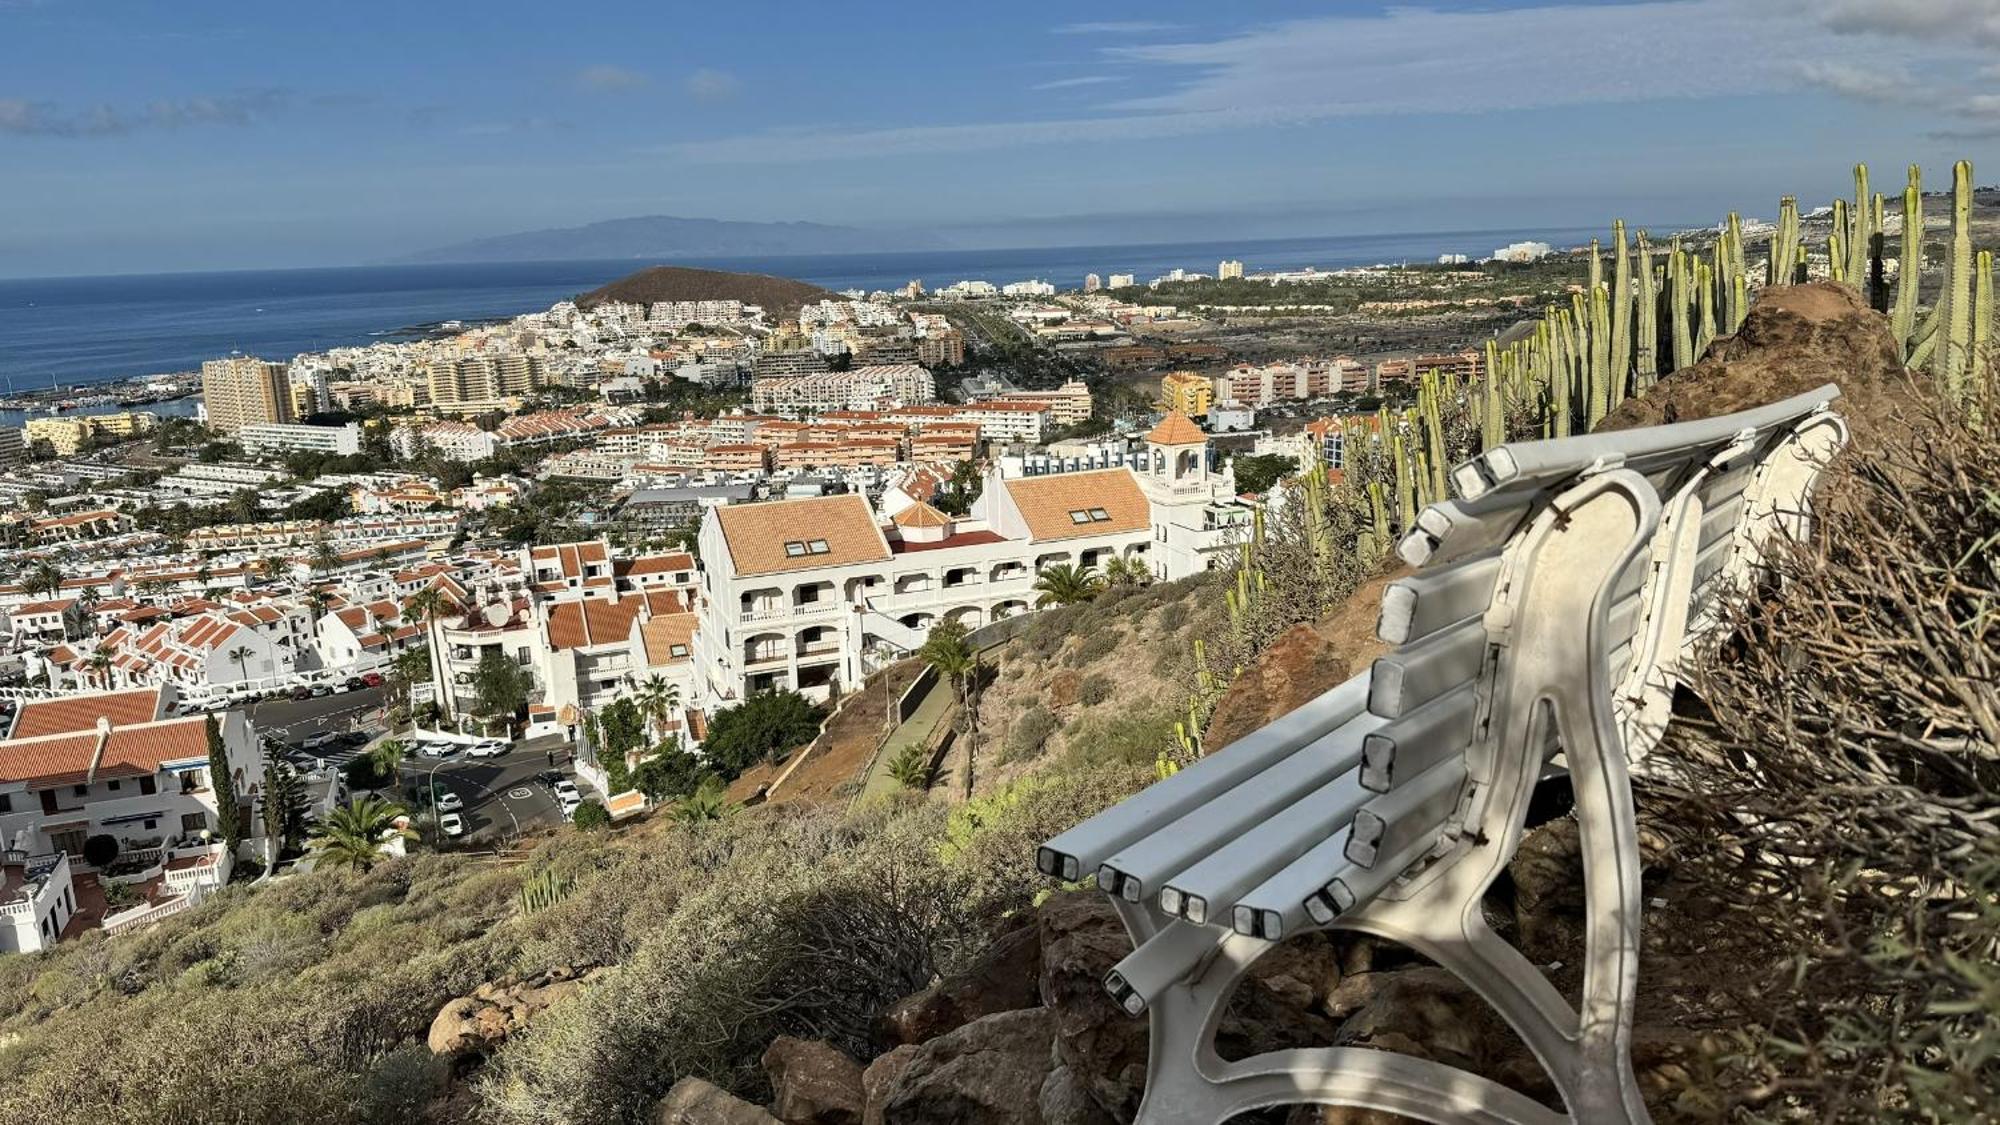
[[130, 751], [80, 712]]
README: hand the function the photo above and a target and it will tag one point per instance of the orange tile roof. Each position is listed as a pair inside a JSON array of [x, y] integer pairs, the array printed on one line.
[[80, 712], [756, 535], [592, 621], [1176, 429], [656, 564], [662, 633], [921, 514], [1047, 504], [131, 751]]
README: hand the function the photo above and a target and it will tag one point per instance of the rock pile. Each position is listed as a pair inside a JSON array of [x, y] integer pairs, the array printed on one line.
[[474, 1026]]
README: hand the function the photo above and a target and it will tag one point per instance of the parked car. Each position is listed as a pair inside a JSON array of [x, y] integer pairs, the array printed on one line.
[[301, 693], [322, 690], [566, 792], [550, 777], [433, 748], [356, 683], [317, 742], [488, 748], [452, 825], [448, 801], [372, 679]]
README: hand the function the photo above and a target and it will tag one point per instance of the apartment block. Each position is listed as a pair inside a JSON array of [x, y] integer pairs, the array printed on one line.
[[263, 438], [861, 388], [1186, 392], [244, 390]]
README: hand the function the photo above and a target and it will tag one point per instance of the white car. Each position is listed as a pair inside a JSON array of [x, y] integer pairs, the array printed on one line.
[[436, 749], [565, 791], [490, 748], [450, 802], [452, 825]]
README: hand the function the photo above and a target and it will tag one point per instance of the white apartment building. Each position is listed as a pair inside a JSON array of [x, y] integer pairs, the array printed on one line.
[[115, 764], [806, 594], [263, 438], [456, 441], [862, 388]]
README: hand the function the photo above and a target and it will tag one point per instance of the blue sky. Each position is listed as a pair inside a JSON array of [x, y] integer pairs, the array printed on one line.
[[148, 137]]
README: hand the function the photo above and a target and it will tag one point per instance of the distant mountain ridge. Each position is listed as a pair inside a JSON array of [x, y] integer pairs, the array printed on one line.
[[668, 236]]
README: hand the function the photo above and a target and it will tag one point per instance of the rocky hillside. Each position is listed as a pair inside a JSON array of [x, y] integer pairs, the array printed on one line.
[[779, 297]]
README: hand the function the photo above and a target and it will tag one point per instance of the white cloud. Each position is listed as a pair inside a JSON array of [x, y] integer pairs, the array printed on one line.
[[610, 79], [712, 85], [1072, 83], [1116, 27], [1946, 20], [1434, 61], [26, 117]]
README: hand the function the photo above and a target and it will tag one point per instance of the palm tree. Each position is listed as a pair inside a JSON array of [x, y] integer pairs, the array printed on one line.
[[241, 654], [1121, 571], [704, 805], [658, 699], [353, 835], [323, 558], [947, 650], [428, 605], [44, 577], [100, 665], [1066, 584]]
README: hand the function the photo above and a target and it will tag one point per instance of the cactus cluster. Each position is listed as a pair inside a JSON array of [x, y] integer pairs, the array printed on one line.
[[544, 889]]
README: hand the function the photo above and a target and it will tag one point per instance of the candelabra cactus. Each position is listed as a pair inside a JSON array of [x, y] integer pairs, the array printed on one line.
[[1909, 267], [1861, 238], [1785, 245], [1645, 359], [1955, 349]]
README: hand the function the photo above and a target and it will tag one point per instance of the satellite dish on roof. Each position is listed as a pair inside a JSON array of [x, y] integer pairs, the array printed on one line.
[[497, 614]]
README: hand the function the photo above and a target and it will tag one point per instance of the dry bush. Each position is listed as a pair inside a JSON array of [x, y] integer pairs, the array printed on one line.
[[1838, 804]]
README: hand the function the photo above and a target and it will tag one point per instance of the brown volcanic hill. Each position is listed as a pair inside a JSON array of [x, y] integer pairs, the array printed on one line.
[[779, 297]]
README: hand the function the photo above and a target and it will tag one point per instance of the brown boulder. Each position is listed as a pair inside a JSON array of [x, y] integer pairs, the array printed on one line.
[[1104, 1048], [880, 1078], [1795, 339], [1003, 979], [480, 1022], [693, 1101], [1547, 872], [989, 1072], [813, 1083], [1428, 1013], [1064, 1101]]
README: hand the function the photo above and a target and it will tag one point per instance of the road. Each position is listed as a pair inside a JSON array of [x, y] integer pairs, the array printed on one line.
[[293, 722], [502, 797]]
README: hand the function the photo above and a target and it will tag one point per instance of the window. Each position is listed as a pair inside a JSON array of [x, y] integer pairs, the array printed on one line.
[[148, 786], [111, 786], [194, 821], [81, 790], [672, 650], [799, 548], [1079, 516], [6, 803], [1100, 515], [152, 823], [1089, 515]]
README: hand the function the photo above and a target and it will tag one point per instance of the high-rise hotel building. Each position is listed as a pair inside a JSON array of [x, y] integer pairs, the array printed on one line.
[[243, 390]]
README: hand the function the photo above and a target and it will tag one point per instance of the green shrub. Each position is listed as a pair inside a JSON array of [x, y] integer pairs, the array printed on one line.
[[1029, 733], [1095, 646], [1095, 689], [590, 816], [1174, 617]]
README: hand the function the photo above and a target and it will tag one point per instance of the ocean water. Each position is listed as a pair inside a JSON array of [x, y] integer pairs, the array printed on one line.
[[77, 330]]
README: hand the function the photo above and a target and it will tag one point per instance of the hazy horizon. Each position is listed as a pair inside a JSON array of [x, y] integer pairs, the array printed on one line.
[[200, 138]]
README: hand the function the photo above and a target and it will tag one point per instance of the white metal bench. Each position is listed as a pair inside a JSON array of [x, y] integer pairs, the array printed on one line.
[[1553, 603]]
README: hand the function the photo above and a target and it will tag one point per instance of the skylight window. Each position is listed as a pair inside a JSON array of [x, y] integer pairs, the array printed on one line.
[[800, 548], [1089, 515]]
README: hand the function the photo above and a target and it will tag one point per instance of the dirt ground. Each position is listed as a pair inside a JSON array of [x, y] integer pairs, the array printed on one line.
[[843, 754]]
